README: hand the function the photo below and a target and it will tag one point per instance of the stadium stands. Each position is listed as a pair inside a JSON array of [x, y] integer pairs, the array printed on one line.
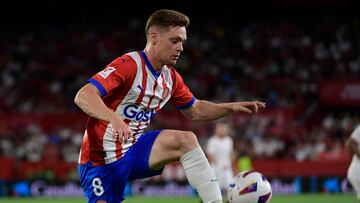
[[289, 63]]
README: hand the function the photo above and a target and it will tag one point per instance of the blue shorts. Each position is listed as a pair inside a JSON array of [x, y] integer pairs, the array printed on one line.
[[107, 183]]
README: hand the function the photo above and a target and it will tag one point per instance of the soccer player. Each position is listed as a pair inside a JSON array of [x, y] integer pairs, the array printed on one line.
[[353, 174], [220, 152], [120, 101]]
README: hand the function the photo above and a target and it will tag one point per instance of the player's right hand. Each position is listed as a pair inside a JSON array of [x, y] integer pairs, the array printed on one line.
[[120, 130]]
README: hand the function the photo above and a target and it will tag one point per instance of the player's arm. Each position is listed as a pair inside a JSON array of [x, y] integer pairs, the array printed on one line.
[[203, 110], [88, 98], [353, 146]]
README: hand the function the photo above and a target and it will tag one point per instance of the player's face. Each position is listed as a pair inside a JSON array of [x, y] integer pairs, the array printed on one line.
[[170, 44]]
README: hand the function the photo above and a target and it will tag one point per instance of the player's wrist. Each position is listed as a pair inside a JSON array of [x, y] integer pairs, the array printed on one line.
[[112, 117], [228, 107]]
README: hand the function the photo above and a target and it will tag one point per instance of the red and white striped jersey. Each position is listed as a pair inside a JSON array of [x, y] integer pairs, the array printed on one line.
[[132, 88]]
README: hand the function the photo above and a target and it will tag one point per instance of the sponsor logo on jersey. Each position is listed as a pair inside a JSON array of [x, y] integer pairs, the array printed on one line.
[[132, 112]]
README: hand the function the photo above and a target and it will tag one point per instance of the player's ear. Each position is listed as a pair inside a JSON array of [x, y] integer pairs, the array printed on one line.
[[153, 37]]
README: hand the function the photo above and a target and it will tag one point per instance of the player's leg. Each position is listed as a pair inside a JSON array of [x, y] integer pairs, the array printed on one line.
[[225, 178], [175, 145], [104, 183], [107, 183], [356, 186], [354, 180]]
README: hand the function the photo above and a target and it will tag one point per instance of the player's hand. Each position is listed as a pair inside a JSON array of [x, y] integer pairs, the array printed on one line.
[[120, 129], [248, 106]]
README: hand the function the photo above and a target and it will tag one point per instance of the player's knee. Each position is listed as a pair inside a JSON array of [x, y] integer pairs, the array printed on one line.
[[187, 141]]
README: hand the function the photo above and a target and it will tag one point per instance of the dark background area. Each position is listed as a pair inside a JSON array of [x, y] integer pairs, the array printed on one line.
[[36, 13], [279, 52]]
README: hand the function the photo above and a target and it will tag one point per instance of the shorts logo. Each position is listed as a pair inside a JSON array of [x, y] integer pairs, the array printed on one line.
[[132, 111], [101, 201]]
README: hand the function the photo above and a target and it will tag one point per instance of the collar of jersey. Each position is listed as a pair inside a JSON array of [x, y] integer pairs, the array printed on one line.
[[149, 66]]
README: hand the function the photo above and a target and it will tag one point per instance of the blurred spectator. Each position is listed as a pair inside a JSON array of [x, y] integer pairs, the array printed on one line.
[[280, 62]]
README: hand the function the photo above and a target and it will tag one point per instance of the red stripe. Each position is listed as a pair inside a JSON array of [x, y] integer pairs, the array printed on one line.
[[95, 138], [147, 107], [137, 102], [85, 151], [152, 97], [96, 128], [143, 84], [119, 98], [118, 143], [140, 97]]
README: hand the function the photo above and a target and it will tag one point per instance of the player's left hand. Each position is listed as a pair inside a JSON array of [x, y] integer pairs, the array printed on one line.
[[248, 106]]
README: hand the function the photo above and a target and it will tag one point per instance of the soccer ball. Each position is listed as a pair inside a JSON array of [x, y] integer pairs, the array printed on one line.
[[249, 187]]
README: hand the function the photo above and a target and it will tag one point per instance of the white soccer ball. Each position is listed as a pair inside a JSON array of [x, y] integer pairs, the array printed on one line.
[[249, 187]]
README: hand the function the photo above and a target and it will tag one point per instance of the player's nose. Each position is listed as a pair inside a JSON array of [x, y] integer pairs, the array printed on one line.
[[180, 47]]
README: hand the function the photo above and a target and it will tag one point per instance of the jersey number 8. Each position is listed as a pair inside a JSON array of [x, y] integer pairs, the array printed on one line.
[[98, 188]]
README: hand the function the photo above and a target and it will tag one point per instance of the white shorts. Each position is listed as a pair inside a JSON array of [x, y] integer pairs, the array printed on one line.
[[355, 182]]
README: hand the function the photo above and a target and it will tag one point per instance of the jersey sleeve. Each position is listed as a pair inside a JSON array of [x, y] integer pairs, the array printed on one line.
[[355, 135], [116, 74], [181, 96]]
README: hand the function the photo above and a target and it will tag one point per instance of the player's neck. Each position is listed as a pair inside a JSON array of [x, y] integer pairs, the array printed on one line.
[[156, 64]]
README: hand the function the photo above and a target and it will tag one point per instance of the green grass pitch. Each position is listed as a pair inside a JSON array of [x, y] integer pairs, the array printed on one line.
[[311, 198]]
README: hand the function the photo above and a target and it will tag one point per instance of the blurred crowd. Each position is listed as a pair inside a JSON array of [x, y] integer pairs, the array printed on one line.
[[325, 141], [33, 144], [278, 62]]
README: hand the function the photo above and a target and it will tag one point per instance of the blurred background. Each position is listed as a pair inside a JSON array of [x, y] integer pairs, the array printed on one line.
[[302, 58]]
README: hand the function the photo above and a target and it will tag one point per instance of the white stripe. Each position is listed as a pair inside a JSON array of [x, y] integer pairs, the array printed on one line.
[[84, 137], [109, 143], [150, 82], [79, 155], [169, 83], [130, 98]]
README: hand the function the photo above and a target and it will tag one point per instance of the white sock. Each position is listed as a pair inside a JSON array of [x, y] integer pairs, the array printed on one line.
[[201, 176]]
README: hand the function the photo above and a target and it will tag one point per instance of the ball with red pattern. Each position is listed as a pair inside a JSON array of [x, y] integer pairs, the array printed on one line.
[[249, 187]]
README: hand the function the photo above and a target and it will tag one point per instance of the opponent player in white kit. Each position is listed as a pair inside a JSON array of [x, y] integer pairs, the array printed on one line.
[[353, 175], [121, 99], [220, 152]]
